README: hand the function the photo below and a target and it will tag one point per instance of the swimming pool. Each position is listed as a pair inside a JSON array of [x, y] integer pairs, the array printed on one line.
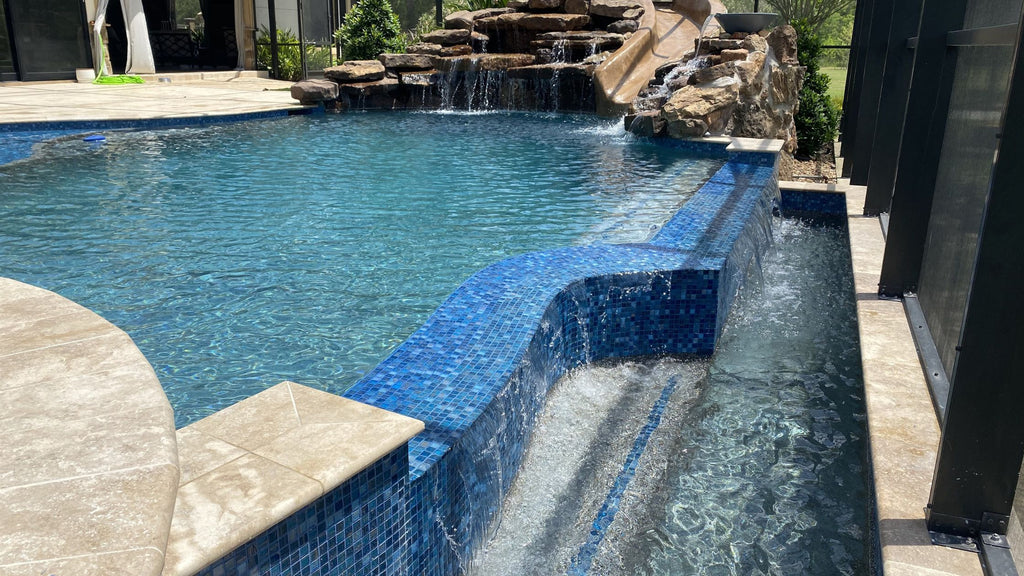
[[306, 248]]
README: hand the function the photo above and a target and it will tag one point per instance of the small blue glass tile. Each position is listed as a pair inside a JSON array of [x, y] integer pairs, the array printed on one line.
[[804, 202]]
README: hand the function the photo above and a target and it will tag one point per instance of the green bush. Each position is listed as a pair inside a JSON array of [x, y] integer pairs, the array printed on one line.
[[289, 63], [817, 120], [371, 28]]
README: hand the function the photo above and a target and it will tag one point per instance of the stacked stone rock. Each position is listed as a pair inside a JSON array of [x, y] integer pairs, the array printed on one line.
[[748, 86], [530, 40]]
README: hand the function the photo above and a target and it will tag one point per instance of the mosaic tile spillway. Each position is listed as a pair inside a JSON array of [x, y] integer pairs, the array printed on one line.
[[478, 370]]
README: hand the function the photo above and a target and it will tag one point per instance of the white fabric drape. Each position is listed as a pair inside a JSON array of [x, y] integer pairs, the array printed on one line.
[[140, 54], [97, 38], [240, 35]]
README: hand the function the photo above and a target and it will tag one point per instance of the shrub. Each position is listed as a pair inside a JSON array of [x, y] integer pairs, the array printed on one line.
[[370, 29], [817, 119], [428, 20]]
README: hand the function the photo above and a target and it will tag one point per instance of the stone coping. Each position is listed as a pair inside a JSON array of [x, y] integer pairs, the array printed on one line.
[[253, 464], [88, 458], [768, 145], [902, 425], [818, 187]]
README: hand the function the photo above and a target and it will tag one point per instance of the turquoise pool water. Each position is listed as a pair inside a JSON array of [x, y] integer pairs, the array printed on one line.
[[306, 248]]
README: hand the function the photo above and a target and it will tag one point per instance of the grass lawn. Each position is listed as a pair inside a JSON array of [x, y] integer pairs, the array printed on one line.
[[837, 83]]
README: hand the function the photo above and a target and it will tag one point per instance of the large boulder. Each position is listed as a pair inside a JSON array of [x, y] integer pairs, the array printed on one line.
[[553, 22], [424, 48], [577, 6], [734, 55], [486, 62], [419, 78], [719, 44], [691, 107], [629, 9], [447, 37], [782, 42], [457, 50], [786, 83], [408, 61], [754, 43], [584, 42], [712, 73], [623, 26], [461, 20], [382, 87], [648, 123], [355, 71], [499, 22], [314, 91], [488, 12], [545, 4]]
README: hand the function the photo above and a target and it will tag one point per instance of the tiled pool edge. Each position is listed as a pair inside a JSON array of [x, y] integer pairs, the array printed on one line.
[[476, 373]]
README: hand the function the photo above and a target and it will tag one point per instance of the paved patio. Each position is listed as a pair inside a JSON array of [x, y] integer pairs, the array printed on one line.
[[162, 96]]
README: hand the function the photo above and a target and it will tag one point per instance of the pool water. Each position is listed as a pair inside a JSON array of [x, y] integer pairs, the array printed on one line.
[[758, 465], [307, 248]]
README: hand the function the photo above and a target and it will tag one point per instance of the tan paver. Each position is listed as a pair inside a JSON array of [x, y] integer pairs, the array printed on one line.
[[902, 425], [256, 462], [88, 459]]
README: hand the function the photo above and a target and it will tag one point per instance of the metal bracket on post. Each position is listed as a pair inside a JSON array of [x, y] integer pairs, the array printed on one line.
[[934, 373], [953, 541], [995, 555]]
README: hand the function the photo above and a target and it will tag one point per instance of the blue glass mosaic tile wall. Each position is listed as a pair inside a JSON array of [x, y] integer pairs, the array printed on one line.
[[358, 528], [478, 370], [797, 202]]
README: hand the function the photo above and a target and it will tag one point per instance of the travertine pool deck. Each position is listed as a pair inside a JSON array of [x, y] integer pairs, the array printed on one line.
[[88, 458], [902, 425], [189, 94]]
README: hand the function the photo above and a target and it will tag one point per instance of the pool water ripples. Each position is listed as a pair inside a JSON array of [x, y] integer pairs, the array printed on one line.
[[306, 248], [759, 464]]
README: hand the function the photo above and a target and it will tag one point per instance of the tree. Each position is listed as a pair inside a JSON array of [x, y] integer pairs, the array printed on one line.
[[814, 13], [370, 29], [817, 118]]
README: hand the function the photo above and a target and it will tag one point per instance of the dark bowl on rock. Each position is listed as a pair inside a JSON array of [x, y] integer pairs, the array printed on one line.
[[746, 21]]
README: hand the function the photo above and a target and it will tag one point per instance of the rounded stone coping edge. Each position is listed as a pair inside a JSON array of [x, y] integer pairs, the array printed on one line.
[[78, 393], [770, 145]]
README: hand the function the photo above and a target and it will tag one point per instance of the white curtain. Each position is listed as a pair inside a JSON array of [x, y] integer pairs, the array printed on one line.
[[140, 54], [240, 35], [97, 38]]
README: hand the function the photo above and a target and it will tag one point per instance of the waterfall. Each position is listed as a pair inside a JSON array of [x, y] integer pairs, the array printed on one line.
[[700, 35]]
